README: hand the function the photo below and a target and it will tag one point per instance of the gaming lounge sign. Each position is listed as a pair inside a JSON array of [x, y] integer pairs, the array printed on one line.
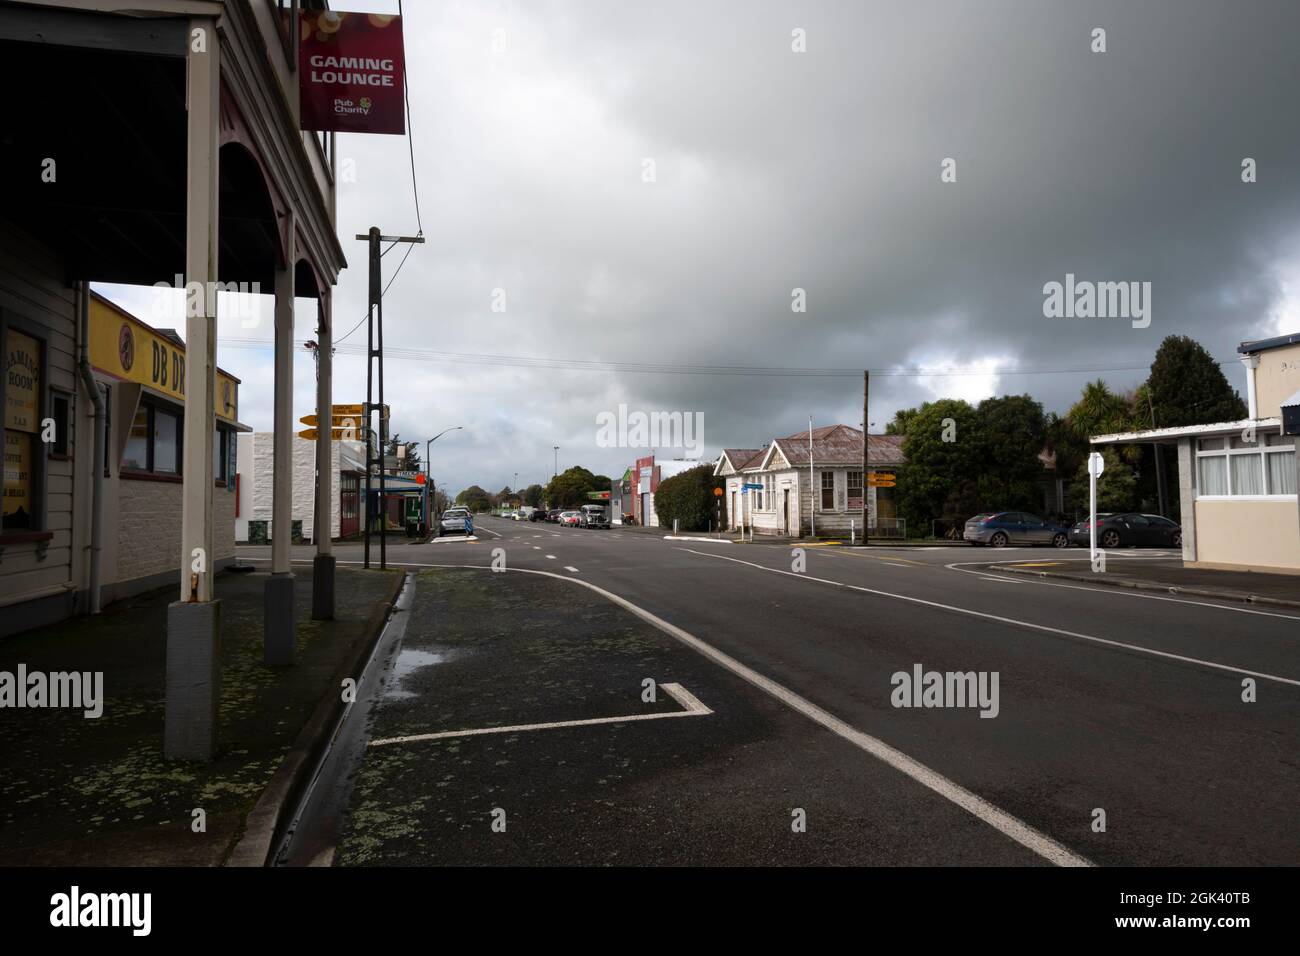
[[350, 72]]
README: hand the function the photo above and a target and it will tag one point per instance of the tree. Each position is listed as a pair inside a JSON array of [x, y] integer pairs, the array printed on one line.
[[533, 495], [1187, 387], [1116, 488], [935, 467], [475, 499], [1010, 433], [1100, 411], [569, 488], [688, 497], [902, 422]]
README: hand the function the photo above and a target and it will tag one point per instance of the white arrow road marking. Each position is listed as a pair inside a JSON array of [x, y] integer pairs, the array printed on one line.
[[692, 705]]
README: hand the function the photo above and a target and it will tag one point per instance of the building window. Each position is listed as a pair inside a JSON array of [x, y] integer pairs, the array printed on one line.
[[1232, 466], [759, 493], [223, 455], [154, 443], [828, 491], [61, 412], [23, 388], [855, 489]]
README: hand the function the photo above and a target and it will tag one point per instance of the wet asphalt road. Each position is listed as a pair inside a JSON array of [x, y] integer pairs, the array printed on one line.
[[1108, 701]]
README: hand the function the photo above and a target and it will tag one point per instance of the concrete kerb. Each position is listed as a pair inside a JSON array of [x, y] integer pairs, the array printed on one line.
[[256, 843], [1111, 580]]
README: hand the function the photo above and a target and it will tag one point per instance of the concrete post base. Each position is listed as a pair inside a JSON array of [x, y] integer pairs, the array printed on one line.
[[322, 587], [193, 680], [280, 627]]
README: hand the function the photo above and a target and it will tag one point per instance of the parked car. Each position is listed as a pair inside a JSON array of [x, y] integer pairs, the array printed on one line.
[[1130, 530], [538, 515], [456, 521], [594, 516], [570, 519], [553, 516], [1001, 528]]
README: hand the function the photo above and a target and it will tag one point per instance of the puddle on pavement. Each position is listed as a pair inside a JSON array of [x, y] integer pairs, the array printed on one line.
[[408, 661]]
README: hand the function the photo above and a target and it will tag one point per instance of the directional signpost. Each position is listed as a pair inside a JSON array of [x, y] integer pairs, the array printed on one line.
[[881, 479], [1096, 465]]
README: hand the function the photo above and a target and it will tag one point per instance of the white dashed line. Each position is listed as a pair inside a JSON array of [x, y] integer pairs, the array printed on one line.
[[571, 568]]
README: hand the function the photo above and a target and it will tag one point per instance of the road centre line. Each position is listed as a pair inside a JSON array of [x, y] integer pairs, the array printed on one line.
[[692, 705], [1010, 826], [1008, 620], [1118, 592]]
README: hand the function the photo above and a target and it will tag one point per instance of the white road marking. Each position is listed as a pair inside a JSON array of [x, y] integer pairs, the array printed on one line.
[[490, 531], [977, 806], [536, 547], [1009, 620], [571, 568], [895, 564], [551, 556], [1120, 592], [443, 539], [692, 705], [672, 537]]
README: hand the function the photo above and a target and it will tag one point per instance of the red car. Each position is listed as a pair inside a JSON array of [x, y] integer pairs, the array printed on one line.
[[570, 518]]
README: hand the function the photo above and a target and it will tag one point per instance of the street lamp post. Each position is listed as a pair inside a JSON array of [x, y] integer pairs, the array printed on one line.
[[429, 475], [556, 472]]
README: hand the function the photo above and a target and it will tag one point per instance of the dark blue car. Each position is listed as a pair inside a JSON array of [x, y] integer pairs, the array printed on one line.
[[1001, 528]]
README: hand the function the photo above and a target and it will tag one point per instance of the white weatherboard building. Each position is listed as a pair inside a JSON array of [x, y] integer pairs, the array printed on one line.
[[1238, 480], [793, 498], [256, 470]]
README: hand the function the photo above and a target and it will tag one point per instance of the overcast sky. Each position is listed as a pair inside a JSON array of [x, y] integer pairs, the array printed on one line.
[[818, 170]]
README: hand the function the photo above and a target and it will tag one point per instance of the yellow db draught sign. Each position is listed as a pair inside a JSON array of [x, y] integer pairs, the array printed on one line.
[[880, 479]]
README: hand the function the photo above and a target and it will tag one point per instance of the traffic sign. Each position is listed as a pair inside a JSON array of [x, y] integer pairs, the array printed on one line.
[[750, 486], [336, 434], [355, 422], [881, 479], [717, 492]]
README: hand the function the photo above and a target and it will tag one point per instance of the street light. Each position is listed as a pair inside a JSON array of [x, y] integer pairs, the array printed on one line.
[[428, 474], [556, 472]]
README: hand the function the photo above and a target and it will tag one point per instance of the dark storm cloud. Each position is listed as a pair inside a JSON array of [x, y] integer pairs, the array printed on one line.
[[818, 170]]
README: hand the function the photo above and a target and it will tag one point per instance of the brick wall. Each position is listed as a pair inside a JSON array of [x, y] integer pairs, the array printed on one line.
[[149, 527]]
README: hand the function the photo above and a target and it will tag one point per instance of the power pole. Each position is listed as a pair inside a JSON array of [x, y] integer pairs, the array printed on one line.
[[866, 427], [375, 350]]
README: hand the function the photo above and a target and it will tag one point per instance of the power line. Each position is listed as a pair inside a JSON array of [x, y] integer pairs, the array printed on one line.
[[523, 361]]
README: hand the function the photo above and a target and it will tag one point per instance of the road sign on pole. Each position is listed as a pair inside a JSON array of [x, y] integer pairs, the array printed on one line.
[[881, 479], [1096, 465]]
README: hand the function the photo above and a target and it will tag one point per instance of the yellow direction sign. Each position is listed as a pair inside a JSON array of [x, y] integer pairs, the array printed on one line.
[[353, 411], [355, 422], [878, 479], [336, 434]]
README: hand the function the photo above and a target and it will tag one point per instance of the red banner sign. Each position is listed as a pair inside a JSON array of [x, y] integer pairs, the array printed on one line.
[[350, 72]]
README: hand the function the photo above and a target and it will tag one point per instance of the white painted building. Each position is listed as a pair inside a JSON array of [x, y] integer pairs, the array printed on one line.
[[255, 481], [805, 487], [1238, 480]]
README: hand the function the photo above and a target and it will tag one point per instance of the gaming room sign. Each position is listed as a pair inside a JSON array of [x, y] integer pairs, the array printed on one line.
[[350, 72]]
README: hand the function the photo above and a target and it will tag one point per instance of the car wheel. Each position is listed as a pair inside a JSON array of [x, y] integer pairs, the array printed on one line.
[[1177, 539], [999, 540], [1059, 540], [1110, 538]]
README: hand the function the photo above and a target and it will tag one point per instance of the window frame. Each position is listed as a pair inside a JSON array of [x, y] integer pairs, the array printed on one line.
[[150, 473], [821, 500], [38, 515], [1261, 451], [62, 428]]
